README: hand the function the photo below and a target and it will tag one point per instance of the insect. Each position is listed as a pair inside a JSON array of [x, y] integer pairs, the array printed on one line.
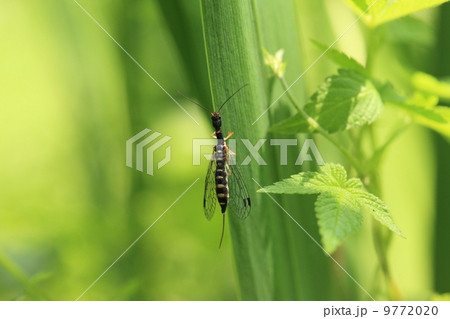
[[223, 184]]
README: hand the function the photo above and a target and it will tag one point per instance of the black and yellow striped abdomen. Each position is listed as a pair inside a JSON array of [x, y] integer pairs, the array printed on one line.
[[221, 178]]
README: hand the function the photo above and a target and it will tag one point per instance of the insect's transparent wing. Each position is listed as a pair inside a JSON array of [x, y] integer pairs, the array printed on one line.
[[239, 200], [210, 197]]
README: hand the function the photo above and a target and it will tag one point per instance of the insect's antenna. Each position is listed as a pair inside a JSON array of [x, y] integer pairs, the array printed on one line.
[[189, 99], [232, 96], [223, 230]]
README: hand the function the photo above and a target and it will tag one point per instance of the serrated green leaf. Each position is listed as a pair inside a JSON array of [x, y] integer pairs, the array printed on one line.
[[354, 183], [340, 58], [329, 175], [387, 10], [343, 101], [338, 215], [376, 207], [303, 183], [339, 204], [333, 174]]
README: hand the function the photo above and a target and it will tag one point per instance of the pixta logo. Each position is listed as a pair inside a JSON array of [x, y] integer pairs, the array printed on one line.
[[252, 151], [141, 140], [141, 148]]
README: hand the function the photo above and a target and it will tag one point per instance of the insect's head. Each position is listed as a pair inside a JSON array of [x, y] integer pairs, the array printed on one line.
[[215, 117], [216, 120]]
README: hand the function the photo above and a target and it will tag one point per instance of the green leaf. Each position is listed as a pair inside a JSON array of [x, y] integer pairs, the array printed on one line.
[[389, 94], [377, 208], [386, 10], [303, 183], [441, 124], [354, 183], [420, 112], [421, 107], [338, 216], [418, 100], [343, 101], [423, 99], [340, 58], [436, 118], [339, 204], [429, 84]]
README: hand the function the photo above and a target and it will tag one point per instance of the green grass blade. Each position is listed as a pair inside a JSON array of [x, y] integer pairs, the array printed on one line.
[[442, 205], [234, 59], [184, 21], [274, 258]]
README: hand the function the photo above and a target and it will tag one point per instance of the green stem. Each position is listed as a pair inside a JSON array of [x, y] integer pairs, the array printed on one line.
[[381, 241], [378, 154], [381, 244], [289, 95]]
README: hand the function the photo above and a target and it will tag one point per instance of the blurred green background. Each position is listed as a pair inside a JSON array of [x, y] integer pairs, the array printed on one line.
[[70, 98]]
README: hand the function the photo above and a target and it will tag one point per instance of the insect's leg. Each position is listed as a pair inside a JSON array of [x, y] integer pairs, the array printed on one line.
[[227, 167], [228, 136], [228, 153], [213, 135]]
